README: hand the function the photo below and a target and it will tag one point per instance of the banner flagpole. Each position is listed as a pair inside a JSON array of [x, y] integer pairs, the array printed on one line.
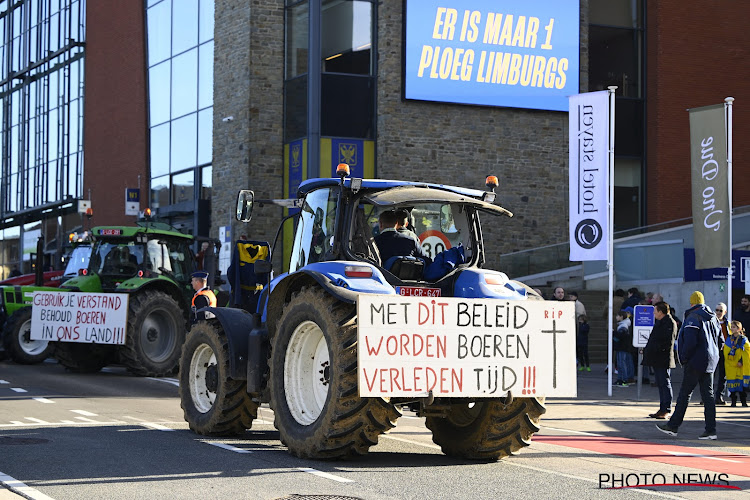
[[728, 116], [610, 243]]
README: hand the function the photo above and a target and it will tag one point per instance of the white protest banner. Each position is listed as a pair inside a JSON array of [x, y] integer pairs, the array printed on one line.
[[588, 120], [100, 318], [409, 346]]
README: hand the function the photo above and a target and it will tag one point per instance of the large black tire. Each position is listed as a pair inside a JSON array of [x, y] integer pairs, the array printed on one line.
[[156, 332], [18, 343], [213, 403], [487, 430], [313, 381], [84, 358]]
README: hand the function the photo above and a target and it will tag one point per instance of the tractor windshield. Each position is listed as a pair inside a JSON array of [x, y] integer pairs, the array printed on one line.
[[437, 226], [79, 259], [116, 258]]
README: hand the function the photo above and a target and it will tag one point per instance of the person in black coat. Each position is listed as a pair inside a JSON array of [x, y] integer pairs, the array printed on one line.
[[396, 240], [659, 354]]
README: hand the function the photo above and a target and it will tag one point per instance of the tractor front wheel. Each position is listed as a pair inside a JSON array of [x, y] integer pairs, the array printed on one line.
[[213, 403], [18, 343]]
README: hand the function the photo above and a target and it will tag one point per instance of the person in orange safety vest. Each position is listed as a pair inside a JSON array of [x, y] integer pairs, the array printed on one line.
[[203, 297]]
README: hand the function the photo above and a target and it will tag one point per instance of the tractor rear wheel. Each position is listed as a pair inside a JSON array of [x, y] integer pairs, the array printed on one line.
[[487, 430], [313, 381], [18, 343], [213, 403], [84, 358], [156, 332]]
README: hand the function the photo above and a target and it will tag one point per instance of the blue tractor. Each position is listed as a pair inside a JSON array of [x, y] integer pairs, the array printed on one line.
[[298, 349]]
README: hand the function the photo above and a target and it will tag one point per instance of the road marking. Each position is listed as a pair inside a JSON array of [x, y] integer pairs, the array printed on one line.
[[538, 469], [84, 419], [37, 420], [228, 447], [158, 427], [576, 432], [172, 381], [325, 475], [18, 389], [43, 400], [20, 488], [67, 422], [85, 413], [4, 382], [683, 454]]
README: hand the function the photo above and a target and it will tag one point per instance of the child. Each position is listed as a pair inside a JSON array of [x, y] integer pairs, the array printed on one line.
[[622, 340], [582, 342], [737, 363]]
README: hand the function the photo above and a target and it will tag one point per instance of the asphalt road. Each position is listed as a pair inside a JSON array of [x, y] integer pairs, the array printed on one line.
[[111, 435]]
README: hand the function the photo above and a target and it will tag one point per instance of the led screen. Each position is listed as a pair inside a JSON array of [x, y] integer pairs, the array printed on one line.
[[493, 53]]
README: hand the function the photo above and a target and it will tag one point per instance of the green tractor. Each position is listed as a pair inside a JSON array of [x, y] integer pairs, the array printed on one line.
[[151, 263]]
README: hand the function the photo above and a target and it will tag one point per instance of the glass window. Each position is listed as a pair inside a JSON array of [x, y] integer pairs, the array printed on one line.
[[297, 34], [206, 182], [206, 75], [624, 13], [158, 85], [160, 192], [160, 150], [206, 21], [629, 132], [349, 106], [627, 193], [295, 108], [205, 136], [185, 83], [184, 142], [159, 30], [182, 187], [315, 228], [346, 40], [615, 59], [184, 26]]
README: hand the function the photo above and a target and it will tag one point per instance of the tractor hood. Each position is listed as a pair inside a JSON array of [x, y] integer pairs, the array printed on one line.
[[414, 194]]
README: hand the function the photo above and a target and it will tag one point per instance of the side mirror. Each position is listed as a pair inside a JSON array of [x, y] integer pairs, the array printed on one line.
[[263, 267], [245, 205]]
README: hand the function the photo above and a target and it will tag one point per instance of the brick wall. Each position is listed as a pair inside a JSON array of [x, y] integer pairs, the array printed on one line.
[[248, 85], [697, 55]]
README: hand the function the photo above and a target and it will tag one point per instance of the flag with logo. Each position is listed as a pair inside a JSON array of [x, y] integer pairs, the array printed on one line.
[[588, 119], [710, 188]]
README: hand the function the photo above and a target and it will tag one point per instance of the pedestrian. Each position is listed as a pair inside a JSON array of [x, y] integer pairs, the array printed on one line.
[[698, 351], [720, 379], [743, 313], [634, 298], [201, 256], [659, 354], [582, 343], [203, 297], [580, 308], [558, 294], [737, 360], [622, 340]]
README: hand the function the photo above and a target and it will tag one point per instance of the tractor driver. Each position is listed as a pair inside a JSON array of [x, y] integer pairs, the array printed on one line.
[[395, 240], [203, 297]]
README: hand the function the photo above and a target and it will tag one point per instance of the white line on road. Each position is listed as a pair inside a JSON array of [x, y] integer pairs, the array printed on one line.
[[85, 413], [43, 400], [172, 381], [228, 447], [37, 420], [538, 469], [575, 432], [20, 488], [325, 475], [84, 419], [4, 382], [18, 389], [158, 427], [684, 454], [67, 422]]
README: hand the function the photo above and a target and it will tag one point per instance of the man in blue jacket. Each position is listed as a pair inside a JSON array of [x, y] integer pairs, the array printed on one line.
[[698, 350]]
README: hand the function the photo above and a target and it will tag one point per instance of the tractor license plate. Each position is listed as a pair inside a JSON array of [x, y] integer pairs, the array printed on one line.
[[415, 291]]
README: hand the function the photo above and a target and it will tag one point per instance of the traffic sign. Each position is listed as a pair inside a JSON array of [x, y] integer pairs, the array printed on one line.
[[643, 323], [132, 201]]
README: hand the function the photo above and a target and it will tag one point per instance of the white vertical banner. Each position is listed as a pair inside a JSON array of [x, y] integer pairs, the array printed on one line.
[[589, 176]]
